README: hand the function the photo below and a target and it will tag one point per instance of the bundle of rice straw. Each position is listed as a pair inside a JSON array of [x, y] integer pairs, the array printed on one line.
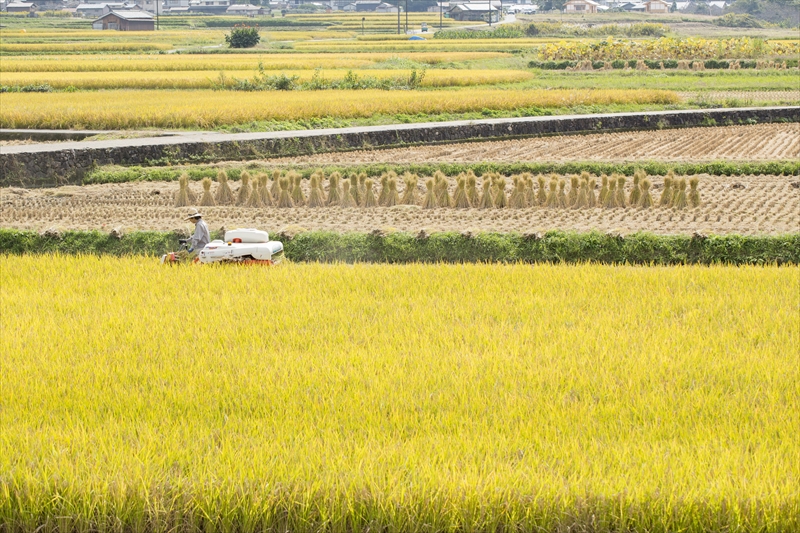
[[552, 196], [517, 199], [486, 202], [298, 197], [541, 195], [334, 193], [430, 197], [603, 190], [530, 197], [472, 188], [581, 202], [392, 198], [441, 189], [562, 195], [460, 199], [255, 197], [680, 198], [591, 199], [284, 198], [347, 196], [611, 196], [275, 190], [182, 196], [636, 192], [645, 201], [369, 194], [315, 196], [244, 189], [263, 190], [694, 194], [384, 189], [574, 185], [207, 199], [621, 191], [500, 198], [410, 192], [224, 193], [667, 193]]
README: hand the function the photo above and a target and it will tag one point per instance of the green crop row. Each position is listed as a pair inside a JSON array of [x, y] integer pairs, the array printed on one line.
[[398, 247]]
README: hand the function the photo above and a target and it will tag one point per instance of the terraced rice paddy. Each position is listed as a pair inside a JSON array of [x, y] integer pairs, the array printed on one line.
[[738, 143], [397, 398]]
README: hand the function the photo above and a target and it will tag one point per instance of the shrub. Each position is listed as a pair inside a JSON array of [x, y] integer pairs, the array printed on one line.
[[242, 36]]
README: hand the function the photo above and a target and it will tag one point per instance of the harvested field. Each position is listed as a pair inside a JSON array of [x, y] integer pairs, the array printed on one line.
[[740, 143], [781, 97], [747, 205]]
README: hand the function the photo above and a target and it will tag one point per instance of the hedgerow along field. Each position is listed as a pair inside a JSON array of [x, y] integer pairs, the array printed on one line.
[[597, 398]]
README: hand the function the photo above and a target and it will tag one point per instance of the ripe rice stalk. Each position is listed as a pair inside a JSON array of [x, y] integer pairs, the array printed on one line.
[[694, 194], [347, 195], [486, 201], [500, 198], [541, 195], [636, 191], [646, 201], [472, 188], [334, 193], [182, 196], [581, 202], [603, 190], [680, 198], [208, 198], [552, 196], [244, 189], [410, 192], [611, 197], [392, 198], [574, 185], [562, 195], [298, 198], [384, 189], [430, 196], [369, 194], [591, 199], [263, 189], [460, 199], [621, 191], [667, 193], [275, 190], [285, 198], [315, 198]]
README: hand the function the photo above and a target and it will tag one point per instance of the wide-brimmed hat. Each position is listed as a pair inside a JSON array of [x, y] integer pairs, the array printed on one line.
[[196, 214]]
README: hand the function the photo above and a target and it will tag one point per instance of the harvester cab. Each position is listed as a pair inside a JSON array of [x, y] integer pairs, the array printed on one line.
[[244, 246]]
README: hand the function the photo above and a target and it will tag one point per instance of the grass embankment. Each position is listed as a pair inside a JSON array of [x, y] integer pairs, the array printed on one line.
[[397, 398], [398, 247]]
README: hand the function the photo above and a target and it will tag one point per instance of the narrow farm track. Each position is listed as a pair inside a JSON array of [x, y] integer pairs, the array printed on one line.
[[758, 142], [747, 205]]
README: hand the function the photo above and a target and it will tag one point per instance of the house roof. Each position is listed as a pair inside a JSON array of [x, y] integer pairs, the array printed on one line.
[[243, 7], [474, 6], [129, 15], [21, 4], [590, 2], [657, 2]]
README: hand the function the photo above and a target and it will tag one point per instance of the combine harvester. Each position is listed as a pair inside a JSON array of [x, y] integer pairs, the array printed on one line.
[[241, 246]]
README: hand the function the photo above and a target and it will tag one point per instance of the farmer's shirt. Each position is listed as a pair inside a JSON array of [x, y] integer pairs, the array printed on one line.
[[201, 235]]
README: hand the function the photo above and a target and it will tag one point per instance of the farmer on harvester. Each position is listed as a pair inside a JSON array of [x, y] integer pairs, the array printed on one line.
[[201, 235]]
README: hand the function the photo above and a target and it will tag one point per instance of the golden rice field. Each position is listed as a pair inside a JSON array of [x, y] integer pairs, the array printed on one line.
[[117, 109], [482, 45], [83, 47], [204, 79], [313, 397], [288, 61]]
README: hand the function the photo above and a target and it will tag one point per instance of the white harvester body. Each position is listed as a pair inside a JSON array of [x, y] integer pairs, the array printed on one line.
[[245, 245]]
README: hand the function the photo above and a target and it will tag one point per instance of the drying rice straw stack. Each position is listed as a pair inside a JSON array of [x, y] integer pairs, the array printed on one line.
[[603, 190], [255, 197], [694, 194], [441, 190], [666, 194], [591, 199], [284, 198], [430, 197], [369, 194], [263, 190], [182, 196], [298, 197], [581, 201], [500, 198], [334, 194], [472, 188], [275, 191], [244, 189], [611, 196], [552, 196], [347, 196], [680, 197], [384, 189], [562, 195], [486, 201], [517, 200], [207, 199], [636, 192], [192, 196], [410, 192], [573, 191], [315, 196], [362, 187], [530, 198], [460, 199], [621, 191], [646, 201], [392, 198], [541, 195], [224, 193]]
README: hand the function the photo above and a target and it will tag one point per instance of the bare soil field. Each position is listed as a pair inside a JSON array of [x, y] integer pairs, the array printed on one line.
[[741, 204], [738, 143]]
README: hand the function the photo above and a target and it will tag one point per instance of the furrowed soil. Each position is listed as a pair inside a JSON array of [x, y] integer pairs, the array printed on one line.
[[739, 143], [730, 205]]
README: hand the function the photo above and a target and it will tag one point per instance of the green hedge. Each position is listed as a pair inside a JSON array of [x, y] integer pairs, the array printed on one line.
[[653, 168], [399, 247]]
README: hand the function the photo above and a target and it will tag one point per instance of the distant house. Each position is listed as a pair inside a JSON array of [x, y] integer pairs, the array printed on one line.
[[215, 7], [125, 21], [685, 6], [21, 7], [581, 6], [717, 8], [656, 6], [475, 11], [244, 9], [98, 10], [385, 7]]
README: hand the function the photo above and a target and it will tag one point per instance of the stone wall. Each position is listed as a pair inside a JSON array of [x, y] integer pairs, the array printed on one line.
[[52, 165]]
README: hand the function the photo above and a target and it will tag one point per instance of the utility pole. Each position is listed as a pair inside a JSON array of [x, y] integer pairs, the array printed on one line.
[[440, 14], [406, 16], [398, 17]]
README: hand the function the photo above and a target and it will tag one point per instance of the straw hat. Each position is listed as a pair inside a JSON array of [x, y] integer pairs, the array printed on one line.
[[196, 214]]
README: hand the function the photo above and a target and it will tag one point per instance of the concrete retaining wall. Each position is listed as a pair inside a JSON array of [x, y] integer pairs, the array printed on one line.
[[68, 162]]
